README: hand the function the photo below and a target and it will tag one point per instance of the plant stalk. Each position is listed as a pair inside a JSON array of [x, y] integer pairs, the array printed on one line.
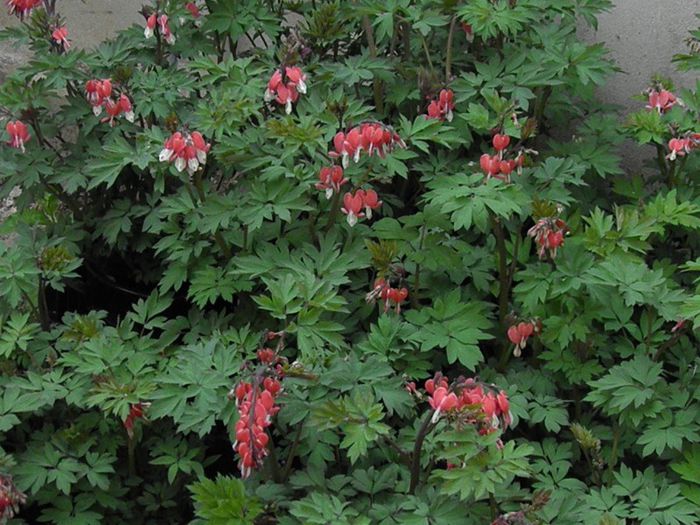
[[423, 431]]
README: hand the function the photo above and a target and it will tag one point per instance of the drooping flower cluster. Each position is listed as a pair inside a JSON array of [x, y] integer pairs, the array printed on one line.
[[331, 179], [497, 166], [661, 100], [284, 88], [680, 147], [99, 94], [519, 333], [443, 106], [466, 401], [390, 296], [22, 8], [135, 412], [256, 403], [548, 233], [159, 22], [360, 204], [370, 137], [19, 134], [60, 37], [10, 498], [185, 150]]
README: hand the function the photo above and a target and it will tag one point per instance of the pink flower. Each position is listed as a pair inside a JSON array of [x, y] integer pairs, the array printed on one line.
[[500, 142], [126, 107], [256, 404], [330, 180], [185, 150], [286, 95], [165, 29], [99, 95], [371, 202], [442, 401], [355, 204], [519, 334], [548, 233], [491, 166], [22, 8], [352, 206], [297, 78], [151, 22], [390, 296], [661, 101], [285, 88], [193, 9], [19, 134], [679, 147], [371, 137], [60, 36], [161, 22], [443, 106]]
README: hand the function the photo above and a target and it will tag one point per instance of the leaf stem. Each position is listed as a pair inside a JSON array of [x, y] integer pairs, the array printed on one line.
[[423, 431], [376, 83], [448, 52], [292, 453]]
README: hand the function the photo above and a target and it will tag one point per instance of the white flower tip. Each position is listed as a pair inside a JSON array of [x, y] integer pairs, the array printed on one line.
[[96, 110], [148, 32], [352, 219], [329, 193], [165, 155], [288, 107], [436, 416], [180, 164], [129, 115]]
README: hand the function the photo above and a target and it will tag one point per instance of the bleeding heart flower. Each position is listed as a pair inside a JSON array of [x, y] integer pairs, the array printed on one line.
[[371, 202], [19, 134], [441, 400], [352, 206], [165, 29], [518, 335], [151, 22], [22, 8], [500, 142], [679, 147], [442, 108], [285, 88], [185, 150], [193, 9], [548, 233], [661, 100], [330, 180], [60, 36]]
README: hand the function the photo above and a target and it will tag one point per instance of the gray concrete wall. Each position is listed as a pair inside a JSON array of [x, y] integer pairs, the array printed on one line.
[[643, 36]]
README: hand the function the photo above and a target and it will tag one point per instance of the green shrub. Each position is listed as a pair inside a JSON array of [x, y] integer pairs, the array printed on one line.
[[385, 250]]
